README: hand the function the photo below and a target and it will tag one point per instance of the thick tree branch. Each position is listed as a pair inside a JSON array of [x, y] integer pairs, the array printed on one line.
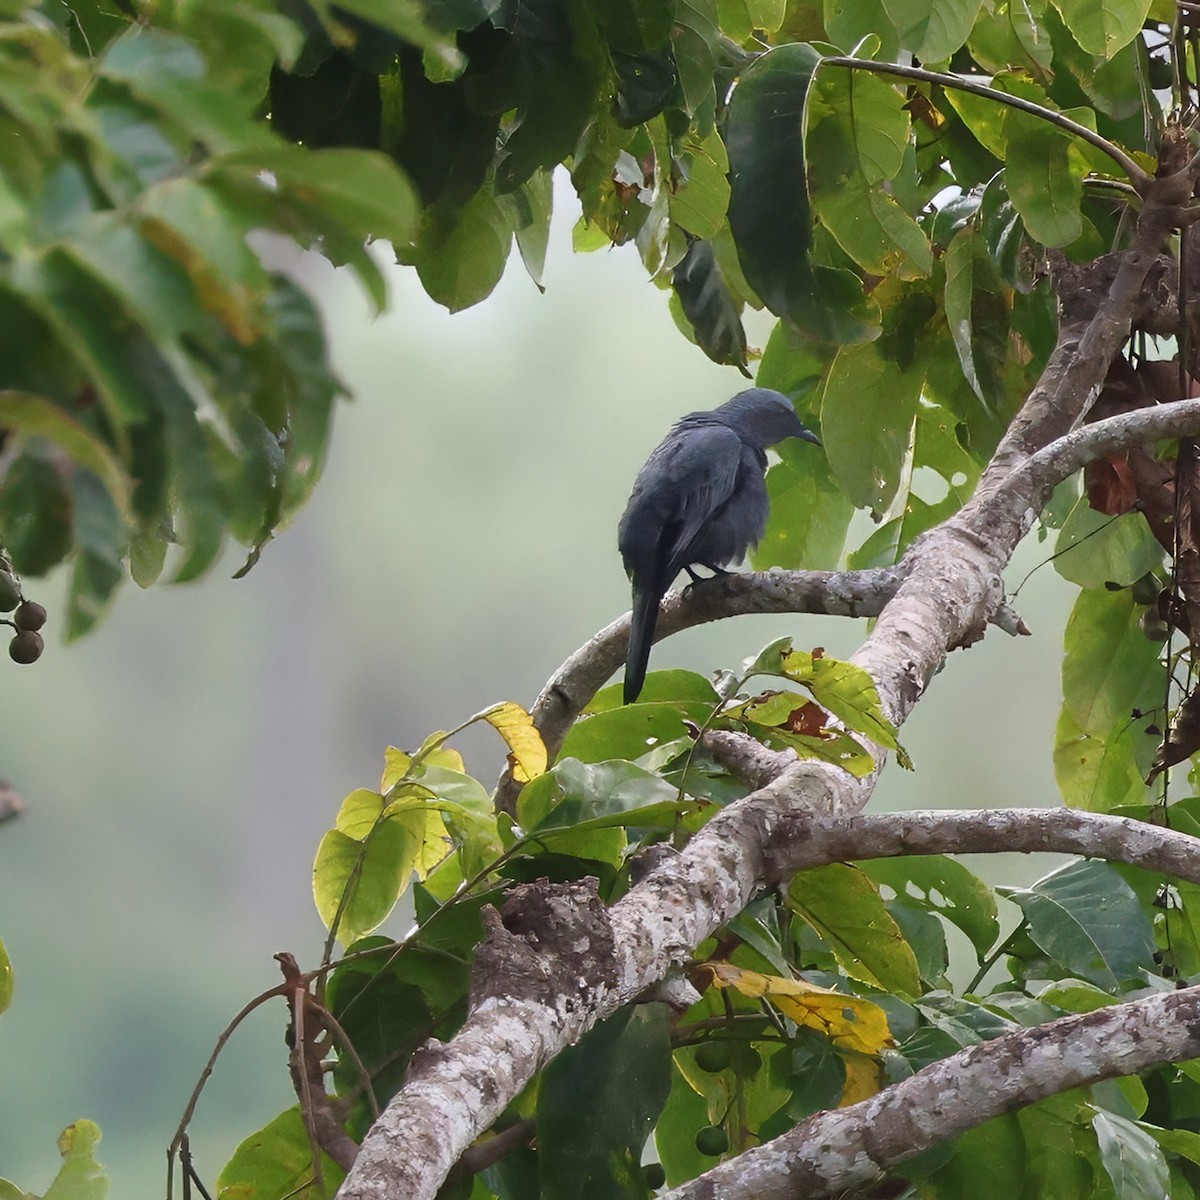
[[852, 1147], [809, 839]]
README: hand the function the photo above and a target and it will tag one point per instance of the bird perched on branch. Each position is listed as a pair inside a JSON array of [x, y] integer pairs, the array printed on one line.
[[700, 500]]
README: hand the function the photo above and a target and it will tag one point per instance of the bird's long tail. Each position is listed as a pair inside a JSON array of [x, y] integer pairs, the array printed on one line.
[[641, 634]]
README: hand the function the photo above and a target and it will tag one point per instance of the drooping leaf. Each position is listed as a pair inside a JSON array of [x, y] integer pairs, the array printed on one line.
[[768, 206], [867, 408], [933, 29], [1088, 919], [1133, 1159], [708, 306], [1094, 549], [1110, 669], [516, 727], [977, 314]]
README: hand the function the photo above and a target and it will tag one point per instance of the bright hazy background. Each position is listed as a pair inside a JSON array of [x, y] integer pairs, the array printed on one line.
[[181, 763]]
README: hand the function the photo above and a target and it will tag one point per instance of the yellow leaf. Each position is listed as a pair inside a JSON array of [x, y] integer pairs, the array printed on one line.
[[850, 1022], [396, 763], [435, 844], [864, 1077], [516, 727]]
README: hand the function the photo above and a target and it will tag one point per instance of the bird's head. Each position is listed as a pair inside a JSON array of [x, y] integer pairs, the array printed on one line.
[[763, 417]]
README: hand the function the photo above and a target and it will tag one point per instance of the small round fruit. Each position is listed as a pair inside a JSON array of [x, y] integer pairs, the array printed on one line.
[[26, 647], [654, 1175], [715, 1055], [10, 594], [712, 1140], [1161, 74], [29, 615]]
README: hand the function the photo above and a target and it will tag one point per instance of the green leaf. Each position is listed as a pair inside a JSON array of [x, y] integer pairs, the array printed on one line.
[[1058, 1149], [1133, 1159], [867, 409], [1103, 28], [35, 416], [933, 29], [80, 1177], [630, 731], [360, 190], [102, 541], [1110, 668], [598, 1102], [977, 313], [941, 885], [659, 686], [532, 204], [847, 691], [364, 864], [768, 206], [674, 1136], [707, 304], [1012, 34], [847, 23], [1090, 921], [36, 510], [857, 137], [845, 908], [809, 514], [277, 1161], [551, 72], [460, 263], [1094, 549], [984, 1165], [699, 201], [6, 979], [695, 39], [598, 795]]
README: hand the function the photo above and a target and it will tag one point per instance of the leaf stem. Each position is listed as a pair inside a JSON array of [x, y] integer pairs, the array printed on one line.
[[1139, 178]]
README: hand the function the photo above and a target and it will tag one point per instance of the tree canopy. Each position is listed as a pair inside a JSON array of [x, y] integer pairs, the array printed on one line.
[[972, 221]]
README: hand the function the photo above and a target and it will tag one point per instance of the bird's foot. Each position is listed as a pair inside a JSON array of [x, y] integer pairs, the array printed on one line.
[[717, 573]]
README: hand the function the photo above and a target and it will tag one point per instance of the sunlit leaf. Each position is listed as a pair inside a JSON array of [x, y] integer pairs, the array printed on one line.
[[845, 908], [80, 1177], [516, 727], [850, 1022]]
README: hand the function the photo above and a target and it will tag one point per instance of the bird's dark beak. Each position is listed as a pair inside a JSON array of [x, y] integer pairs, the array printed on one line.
[[809, 436]]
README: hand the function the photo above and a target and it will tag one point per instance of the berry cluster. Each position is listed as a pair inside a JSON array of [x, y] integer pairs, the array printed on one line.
[[28, 617]]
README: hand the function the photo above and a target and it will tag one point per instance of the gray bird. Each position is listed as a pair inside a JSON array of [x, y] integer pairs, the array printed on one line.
[[700, 500]]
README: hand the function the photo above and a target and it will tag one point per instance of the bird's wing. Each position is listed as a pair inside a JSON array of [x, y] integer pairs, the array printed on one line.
[[703, 470]]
